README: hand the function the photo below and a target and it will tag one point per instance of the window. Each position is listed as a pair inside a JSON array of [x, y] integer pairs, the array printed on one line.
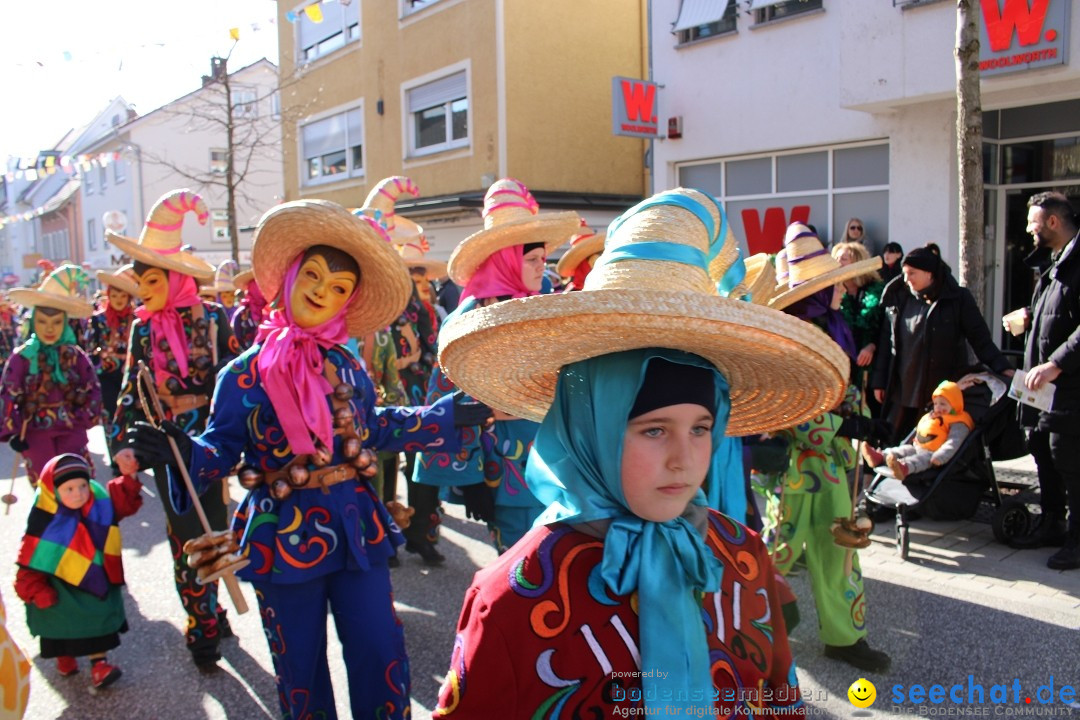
[[724, 25], [333, 147], [103, 177], [219, 161], [340, 25], [88, 180], [438, 114], [219, 224], [408, 7], [784, 9], [245, 103], [118, 171], [275, 105], [91, 234]]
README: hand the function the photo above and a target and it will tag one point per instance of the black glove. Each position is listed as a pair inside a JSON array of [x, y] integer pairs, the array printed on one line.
[[467, 414], [151, 445], [479, 502], [18, 444], [860, 427]]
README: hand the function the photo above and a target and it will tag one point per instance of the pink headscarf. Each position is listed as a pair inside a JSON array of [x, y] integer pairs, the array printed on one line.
[[291, 366], [254, 301], [167, 323], [499, 274]]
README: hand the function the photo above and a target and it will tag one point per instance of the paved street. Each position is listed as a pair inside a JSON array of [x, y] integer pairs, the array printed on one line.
[[961, 605]]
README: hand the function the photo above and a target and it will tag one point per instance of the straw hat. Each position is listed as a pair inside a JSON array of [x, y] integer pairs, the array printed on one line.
[[159, 244], [809, 267], [242, 279], [59, 290], [650, 288], [123, 279], [582, 247], [379, 205], [760, 282], [223, 278], [414, 255], [289, 229], [511, 217]]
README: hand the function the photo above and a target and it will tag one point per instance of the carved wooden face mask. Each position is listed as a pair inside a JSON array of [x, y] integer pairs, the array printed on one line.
[[154, 289], [49, 328], [118, 299], [319, 293]]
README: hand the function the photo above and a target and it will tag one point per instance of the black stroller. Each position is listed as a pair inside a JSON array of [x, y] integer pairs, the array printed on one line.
[[956, 490]]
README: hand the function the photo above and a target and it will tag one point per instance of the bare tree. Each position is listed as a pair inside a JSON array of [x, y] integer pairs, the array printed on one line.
[[969, 141]]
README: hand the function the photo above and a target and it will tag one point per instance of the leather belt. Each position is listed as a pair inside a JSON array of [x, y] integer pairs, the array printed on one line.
[[319, 478], [184, 403]]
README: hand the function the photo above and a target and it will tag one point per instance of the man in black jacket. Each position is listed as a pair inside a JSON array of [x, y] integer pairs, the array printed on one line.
[[1052, 355]]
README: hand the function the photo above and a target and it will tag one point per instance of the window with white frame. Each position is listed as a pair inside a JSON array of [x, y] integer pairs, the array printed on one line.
[[721, 26], [103, 176], [88, 180], [219, 161], [219, 225], [245, 103], [91, 234], [333, 147], [438, 114], [408, 7], [275, 105], [119, 171], [340, 25], [786, 8]]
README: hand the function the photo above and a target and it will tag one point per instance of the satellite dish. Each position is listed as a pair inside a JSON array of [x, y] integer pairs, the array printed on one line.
[[114, 220]]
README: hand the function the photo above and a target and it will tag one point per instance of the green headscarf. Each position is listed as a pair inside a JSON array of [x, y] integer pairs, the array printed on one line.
[[33, 349]]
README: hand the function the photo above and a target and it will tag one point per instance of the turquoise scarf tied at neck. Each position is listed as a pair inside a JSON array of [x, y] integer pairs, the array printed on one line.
[[575, 469], [34, 348]]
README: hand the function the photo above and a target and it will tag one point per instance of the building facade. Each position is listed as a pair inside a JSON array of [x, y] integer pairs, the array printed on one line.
[[455, 94], [824, 110]]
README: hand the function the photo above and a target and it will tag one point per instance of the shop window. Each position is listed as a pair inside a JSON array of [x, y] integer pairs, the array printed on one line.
[[339, 26], [749, 177], [805, 171], [861, 166], [333, 147], [438, 114], [787, 8], [1042, 160]]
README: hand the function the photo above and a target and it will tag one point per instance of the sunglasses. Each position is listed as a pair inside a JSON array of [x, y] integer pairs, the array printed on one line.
[[856, 227]]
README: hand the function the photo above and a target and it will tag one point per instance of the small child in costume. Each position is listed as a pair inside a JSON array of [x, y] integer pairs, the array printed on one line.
[[938, 436], [70, 570]]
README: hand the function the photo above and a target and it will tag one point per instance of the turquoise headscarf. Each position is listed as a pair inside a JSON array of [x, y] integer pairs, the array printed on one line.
[[34, 348], [575, 469]]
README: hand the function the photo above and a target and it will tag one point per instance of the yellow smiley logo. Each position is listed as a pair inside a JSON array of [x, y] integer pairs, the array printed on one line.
[[862, 693]]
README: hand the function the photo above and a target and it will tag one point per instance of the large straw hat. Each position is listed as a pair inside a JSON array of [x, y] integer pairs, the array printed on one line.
[[809, 267], [59, 290], [760, 281], [511, 217], [582, 247], [123, 279], [415, 255], [223, 278], [159, 244], [243, 279], [650, 288], [289, 229], [380, 203]]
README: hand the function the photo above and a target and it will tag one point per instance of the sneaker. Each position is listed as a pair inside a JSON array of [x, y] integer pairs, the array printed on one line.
[[873, 458], [426, 551], [899, 469], [66, 665], [102, 674], [860, 655]]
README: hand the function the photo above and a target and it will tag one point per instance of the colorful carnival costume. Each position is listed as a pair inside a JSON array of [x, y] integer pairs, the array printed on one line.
[[299, 408], [815, 491], [183, 341], [251, 310], [630, 599], [50, 393], [223, 289], [109, 332], [489, 470], [70, 568]]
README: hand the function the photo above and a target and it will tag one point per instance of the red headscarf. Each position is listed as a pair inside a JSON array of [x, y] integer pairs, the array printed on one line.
[[113, 318], [167, 323], [499, 274], [291, 366]]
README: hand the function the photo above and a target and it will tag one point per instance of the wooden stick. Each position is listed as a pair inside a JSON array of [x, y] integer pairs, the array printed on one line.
[[15, 469], [145, 379]]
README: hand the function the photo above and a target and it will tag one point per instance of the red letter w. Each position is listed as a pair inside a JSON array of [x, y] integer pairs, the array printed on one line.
[[638, 99], [769, 238], [1017, 14]]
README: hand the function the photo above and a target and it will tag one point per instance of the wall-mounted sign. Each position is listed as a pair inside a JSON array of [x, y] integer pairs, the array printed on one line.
[[1019, 35], [634, 109], [114, 220]]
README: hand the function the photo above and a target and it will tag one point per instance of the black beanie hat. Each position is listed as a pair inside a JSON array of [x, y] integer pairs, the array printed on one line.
[[924, 259], [70, 467], [667, 383]]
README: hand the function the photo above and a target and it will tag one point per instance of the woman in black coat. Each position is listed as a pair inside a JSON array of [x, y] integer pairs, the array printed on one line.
[[930, 320]]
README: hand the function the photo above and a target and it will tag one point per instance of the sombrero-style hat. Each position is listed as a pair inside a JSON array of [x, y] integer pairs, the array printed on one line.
[[223, 279], [159, 244], [123, 279], [582, 247], [59, 290], [289, 229], [511, 217], [760, 282], [650, 288], [242, 279], [808, 267], [380, 206], [415, 255]]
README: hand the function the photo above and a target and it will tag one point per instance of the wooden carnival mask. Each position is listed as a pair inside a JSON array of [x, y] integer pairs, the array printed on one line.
[[154, 288], [118, 299], [320, 293], [49, 324]]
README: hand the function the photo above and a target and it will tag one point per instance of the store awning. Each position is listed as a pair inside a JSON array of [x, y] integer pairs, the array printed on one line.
[[758, 4], [693, 13]]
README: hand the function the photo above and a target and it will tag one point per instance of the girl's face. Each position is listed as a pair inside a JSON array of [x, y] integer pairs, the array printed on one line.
[[228, 299], [665, 458], [118, 299], [73, 494], [891, 257], [532, 268], [49, 328], [941, 407], [154, 289], [318, 293]]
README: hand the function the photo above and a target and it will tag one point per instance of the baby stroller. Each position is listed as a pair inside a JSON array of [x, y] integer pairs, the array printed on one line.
[[956, 489]]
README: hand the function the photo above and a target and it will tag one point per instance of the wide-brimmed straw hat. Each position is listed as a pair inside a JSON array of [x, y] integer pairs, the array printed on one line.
[[511, 217], [243, 279], [415, 255], [159, 244], [760, 282], [59, 290], [582, 247], [650, 288], [808, 267], [380, 205], [289, 229], [223, 279], [123, 279]]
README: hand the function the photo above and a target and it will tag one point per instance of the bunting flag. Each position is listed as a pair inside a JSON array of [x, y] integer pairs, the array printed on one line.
[[314, 13], [234, 33]]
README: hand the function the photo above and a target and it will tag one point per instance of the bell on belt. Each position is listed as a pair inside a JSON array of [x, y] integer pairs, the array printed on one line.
[[163, 344], [250, 478], [173, 385], [343, 417], [172, 366], [280, 489], [298, 476], [322, 456], [344, 392], [200, 341], [201, 324], [350, 448], [80, 398], [203, 363]]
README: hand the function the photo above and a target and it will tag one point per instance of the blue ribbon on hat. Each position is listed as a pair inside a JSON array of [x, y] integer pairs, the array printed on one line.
[[667, 251]]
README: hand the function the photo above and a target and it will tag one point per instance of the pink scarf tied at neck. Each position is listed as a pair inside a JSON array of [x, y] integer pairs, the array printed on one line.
[[291, 366], [167, 323], [498, 275]]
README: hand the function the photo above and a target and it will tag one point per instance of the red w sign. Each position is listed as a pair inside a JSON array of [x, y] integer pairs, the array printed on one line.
[[768, 237], [634, 107], [1022, 34]]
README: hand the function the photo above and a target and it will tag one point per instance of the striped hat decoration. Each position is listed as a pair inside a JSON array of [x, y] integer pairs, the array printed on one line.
[[61, 289], [160, 244], [381, 203], [810, 267]]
